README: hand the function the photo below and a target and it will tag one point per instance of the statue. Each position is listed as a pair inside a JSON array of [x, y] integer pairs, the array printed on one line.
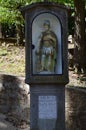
[[46, 50]]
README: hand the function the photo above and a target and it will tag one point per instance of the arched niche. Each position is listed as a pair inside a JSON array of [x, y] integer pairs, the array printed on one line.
[[37, 29]]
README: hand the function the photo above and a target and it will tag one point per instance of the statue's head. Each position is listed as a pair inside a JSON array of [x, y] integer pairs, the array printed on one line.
[[46, 24]]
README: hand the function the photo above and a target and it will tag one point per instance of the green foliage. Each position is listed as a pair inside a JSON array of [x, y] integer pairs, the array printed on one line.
[[9, 11], [13, 3], [10, 14]]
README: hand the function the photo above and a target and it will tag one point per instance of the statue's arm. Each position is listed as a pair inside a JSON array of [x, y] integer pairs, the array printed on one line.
[[39, 44]]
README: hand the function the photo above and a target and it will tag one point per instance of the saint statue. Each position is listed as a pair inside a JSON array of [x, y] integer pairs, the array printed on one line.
[[46, 50]]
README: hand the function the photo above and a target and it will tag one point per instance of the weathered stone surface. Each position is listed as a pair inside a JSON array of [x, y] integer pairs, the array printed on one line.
[[75, 109], [14, 99]]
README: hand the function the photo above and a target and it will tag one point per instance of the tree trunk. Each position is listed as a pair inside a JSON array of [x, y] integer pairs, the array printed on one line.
[[0, 32], [80, 43], [19, 34]]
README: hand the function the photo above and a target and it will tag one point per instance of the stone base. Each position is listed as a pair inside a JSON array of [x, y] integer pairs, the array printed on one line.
[[47, 107]]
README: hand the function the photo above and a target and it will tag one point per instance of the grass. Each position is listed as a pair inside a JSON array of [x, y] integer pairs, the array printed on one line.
[[3, 52], [12, 60]]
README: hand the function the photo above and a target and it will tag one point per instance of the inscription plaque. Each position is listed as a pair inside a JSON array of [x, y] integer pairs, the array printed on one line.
[[47, 107]]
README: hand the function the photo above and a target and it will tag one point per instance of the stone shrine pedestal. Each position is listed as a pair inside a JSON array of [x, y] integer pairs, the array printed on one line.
[[46, 63], [47, 110]]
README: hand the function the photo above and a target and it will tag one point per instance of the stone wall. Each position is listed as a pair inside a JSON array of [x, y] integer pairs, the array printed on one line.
[[15, 103], [75, 108], [14, 99]]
